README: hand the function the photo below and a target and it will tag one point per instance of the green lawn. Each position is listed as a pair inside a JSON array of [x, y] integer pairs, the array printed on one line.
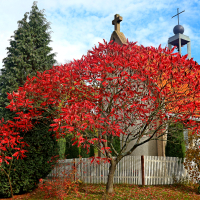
[[121, 191]]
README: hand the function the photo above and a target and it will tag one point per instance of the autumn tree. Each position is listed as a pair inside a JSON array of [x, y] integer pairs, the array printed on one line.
[[136, 91]]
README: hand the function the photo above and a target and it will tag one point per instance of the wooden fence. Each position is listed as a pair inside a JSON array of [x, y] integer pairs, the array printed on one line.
[[139, 170]]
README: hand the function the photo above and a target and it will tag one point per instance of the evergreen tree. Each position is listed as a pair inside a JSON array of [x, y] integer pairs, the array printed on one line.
[[75, 151], [27, 55], [175, 141]]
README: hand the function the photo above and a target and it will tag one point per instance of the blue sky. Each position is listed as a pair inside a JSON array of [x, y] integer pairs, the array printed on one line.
[[79, 25]]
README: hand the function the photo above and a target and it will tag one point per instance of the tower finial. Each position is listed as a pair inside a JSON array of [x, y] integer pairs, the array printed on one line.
[[178, 15]]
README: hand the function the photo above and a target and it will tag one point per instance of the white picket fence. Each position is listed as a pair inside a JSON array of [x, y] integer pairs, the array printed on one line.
[[151, 170]]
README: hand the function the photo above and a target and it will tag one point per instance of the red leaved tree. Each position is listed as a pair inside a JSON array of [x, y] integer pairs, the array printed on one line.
[[134, 91]]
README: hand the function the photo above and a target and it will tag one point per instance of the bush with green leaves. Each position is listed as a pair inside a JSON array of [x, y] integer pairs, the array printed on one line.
[[25, 173]]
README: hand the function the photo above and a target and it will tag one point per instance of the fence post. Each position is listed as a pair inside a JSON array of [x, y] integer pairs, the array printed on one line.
[[142, 166], [74, 169]]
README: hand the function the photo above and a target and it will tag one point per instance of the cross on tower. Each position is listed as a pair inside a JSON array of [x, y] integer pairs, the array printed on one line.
[[178, 15], [117, 21]]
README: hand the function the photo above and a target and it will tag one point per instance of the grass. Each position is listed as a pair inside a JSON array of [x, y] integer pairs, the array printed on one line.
[[178, 190], [122, 191]]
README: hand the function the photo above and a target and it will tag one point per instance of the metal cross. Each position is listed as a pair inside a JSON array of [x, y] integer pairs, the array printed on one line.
[[178, 15]]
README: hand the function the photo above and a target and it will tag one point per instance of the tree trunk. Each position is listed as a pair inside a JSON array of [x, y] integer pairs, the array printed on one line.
[[109, 186]]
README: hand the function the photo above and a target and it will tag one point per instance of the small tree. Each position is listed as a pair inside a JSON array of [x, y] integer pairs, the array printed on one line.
[[139, 88]]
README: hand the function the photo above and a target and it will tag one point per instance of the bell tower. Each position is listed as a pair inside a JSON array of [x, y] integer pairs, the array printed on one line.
[[179, 40]]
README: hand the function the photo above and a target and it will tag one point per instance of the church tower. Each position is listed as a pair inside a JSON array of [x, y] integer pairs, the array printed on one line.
[[179, 40]]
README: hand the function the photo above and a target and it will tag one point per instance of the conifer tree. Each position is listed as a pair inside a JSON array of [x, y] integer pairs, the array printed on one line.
[[27, 54], [175, 141]]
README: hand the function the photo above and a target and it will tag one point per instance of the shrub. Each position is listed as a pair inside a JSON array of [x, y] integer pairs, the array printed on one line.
[[25, 173]]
